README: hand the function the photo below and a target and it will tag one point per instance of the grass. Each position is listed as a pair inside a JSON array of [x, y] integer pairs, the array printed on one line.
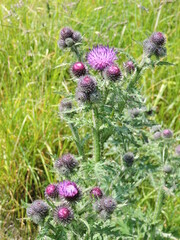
[[32, 68]]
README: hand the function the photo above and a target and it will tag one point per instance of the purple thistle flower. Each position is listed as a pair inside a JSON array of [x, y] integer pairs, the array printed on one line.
[[101, 56], [69, 190], [112, 72], [96, 193], [167, 133], [51, 191], [87, 84], [66, 32], [66, 163], [78, 69], [177, 150], [37, 211], [129, 67], [63, 214], [158, 38]]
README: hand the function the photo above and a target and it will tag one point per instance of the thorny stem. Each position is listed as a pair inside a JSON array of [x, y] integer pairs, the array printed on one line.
[[96, 137], [77, 53], [77, 140]]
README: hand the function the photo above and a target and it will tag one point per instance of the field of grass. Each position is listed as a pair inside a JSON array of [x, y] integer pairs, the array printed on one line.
[[32, 69]]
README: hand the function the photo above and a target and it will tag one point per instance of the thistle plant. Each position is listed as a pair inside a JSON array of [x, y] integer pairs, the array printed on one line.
[[120, 148]]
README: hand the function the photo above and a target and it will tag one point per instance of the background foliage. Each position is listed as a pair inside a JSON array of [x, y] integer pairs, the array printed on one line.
[[32, 68]]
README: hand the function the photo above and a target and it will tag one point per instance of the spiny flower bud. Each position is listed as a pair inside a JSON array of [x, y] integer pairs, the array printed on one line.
[[78, 69], [112, 72], [157, 135], [128, 158], [69, 42], [161, 52], [37, 211], [63, 214], [129, 67], [61, 44], [51, 191], [167, 169], [96, 193], [167, 133], [67, 161], [177, 150], [158, 38], [69, 190], [77, 37], [81, 96], [65, 105], [108, 204], [87, 84], [149, 48], [66, 32]]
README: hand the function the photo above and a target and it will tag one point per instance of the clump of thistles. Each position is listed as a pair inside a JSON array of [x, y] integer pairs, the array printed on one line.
[[101, 56], [37, 211], [66, 162], [167, 133], [78, 69], [96, 193], [154, 45], [128, 158], [63, 214], [51, 191], [69, 191], [112, 73], [129, 67], [68, 37]]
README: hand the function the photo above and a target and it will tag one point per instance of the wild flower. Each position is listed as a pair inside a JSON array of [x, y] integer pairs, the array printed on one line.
[[69, 191], [112, 72], [78, 69], [63, 214], [37, 211], [129, 67], [96, 193], [51, 191], [167, 133]]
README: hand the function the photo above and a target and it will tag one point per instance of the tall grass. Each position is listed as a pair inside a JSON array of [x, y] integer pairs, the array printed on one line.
[[32, 69]]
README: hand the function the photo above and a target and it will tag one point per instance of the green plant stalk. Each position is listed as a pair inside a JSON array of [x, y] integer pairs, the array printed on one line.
[[96, 135], [77, 140], [77, 53]]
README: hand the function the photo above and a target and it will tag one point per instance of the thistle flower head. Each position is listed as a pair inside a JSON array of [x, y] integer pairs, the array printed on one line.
[[77, 37], [61, 44], [96, 193], [157, 135], [158, 38], [69, 190], [78, 69], [167, 133], [51, 191], [66, 163], [128, 158], [63, 214], [66, 32], [108, 204], [87, 84], [129, 67], [177, 150], [167, 169], [101, 56], [81, 96], [37, 211], [65, 105], [149, 47], [112, 72]]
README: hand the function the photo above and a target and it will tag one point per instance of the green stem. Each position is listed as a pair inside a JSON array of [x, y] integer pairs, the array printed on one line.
[[77, 53], [96, 137], [77, 140]]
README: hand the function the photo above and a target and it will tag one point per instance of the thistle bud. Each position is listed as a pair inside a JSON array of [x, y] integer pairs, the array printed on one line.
[[167, 133], [65, 105], [63, 214], [108, 204], [69, 42], [78, 69], [61, 44], [112, 73], [128, 158], [96, 193], [177, 150], [167, 169], [51, 191], [157, 135], [67, 161], [77, 37], [87, 84], [81, 96], [161, 52], [66, 32], [129, 67], [37, 211], [149, 48], [158, 38]]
